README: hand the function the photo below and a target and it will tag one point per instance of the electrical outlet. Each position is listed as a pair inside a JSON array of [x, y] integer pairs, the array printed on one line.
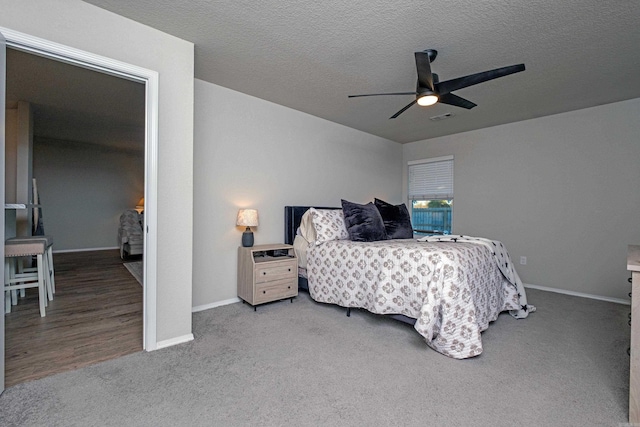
[[523, 260]]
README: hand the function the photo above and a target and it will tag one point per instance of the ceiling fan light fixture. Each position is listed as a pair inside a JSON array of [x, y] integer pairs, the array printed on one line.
[[429, 85], [427, 99]]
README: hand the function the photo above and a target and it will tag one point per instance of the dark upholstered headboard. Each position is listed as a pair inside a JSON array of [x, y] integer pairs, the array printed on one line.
[[292, 218]]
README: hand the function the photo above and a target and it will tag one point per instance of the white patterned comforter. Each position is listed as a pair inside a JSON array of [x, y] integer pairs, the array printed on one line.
[[454, 290]]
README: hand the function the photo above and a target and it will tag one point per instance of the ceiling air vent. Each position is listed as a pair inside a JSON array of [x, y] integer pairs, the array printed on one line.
[[441, 117]]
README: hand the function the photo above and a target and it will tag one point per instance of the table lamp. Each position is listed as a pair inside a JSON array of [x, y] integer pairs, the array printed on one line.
[[248, 218]]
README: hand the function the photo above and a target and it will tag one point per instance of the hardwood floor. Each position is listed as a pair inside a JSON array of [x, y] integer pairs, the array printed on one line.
[[96, 315]]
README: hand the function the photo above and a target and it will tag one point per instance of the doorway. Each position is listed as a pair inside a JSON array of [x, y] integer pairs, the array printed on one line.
[[80, 134], [149, 78]]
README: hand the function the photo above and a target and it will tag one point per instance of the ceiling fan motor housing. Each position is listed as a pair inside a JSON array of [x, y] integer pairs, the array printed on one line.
[[432, 53]]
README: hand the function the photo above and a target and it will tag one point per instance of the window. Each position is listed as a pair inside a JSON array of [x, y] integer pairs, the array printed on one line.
[[431, 194]]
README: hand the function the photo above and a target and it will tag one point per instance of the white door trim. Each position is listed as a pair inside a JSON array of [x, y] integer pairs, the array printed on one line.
[[3, 96], [110, 66]]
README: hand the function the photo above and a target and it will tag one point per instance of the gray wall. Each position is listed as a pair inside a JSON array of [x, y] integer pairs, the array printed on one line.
[[561, 190], [84, 188], [253, 153], [89, 28]]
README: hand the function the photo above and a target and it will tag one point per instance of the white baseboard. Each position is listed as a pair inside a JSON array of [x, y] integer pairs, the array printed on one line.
[[61, 251], [214, 305], [174, 341], [578, 294]]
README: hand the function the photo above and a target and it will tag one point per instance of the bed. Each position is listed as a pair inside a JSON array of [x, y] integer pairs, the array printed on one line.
[[449, 290]]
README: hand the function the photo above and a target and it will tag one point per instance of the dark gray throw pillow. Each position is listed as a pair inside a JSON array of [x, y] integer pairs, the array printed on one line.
[[396, 218], [363, 222]]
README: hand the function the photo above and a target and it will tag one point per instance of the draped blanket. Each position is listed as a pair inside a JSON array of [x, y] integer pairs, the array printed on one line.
[[452, 289], [502, 259]]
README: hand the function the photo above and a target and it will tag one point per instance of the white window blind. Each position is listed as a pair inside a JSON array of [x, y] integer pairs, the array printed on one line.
[[431, 179]]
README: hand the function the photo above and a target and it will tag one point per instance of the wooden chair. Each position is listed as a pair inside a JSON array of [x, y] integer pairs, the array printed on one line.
[[50, 277], [14, 249]]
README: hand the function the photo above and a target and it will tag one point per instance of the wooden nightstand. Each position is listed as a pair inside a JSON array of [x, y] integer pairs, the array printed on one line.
[[267, 273]]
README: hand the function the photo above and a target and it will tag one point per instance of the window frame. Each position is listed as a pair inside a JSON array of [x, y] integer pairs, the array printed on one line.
[[439, 187]]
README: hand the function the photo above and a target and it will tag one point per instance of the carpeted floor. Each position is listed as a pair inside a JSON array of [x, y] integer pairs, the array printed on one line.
[[307, 364], [135, 268]]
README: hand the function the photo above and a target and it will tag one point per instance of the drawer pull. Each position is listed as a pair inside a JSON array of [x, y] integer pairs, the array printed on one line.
[[289, 287], [264, 292], [289, 269], [264, 273]]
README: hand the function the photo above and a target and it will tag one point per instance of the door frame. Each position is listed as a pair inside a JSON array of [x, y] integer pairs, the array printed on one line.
[[150, 79], [3, 96]]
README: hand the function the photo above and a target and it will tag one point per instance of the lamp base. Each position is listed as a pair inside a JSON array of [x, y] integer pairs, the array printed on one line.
[[247, 238]]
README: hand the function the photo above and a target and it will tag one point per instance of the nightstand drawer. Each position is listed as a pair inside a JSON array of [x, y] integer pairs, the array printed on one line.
[[271, 291], [279, 271]]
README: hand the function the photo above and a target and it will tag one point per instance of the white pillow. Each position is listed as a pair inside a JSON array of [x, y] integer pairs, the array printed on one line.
[[329, 225], [306, 229], [300, 246]]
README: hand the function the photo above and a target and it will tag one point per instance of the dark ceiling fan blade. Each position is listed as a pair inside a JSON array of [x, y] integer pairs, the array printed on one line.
[[423, 65], [473, 79], [455, 100], [378, 94], [403, 109]]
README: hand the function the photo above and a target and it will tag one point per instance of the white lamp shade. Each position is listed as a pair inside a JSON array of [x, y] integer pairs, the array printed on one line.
[[140, 205], [247, 217]]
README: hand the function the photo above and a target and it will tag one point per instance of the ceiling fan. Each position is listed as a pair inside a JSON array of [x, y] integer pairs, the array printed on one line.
[[430, 90]]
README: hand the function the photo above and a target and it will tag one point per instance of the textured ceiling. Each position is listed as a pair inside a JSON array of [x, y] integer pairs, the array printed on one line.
[[309, 55]]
